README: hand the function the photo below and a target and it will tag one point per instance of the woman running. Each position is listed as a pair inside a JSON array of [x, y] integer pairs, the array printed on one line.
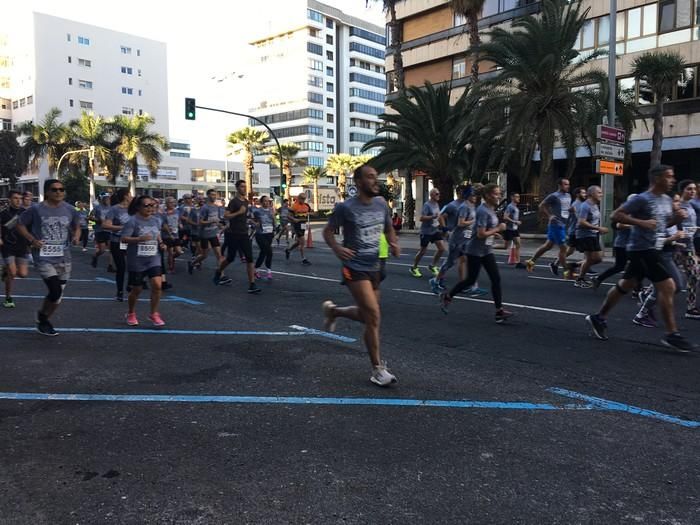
[[687, 255], [115, 219], [264, 232]]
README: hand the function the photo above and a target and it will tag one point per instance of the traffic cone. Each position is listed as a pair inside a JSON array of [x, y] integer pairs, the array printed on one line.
[[309, 239], [511, 256]]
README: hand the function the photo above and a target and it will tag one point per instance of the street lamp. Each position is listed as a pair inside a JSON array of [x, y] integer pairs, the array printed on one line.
[[91, 157], [226, 156]]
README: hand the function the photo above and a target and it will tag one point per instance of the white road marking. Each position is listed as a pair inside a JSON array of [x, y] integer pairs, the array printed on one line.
[[562, 280]]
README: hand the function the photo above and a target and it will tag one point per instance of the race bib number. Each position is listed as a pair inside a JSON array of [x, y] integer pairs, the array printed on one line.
[[303, 226], [468, 233], [515, 226], [51, 250], [660, 241], [147, 249], [267, 228], [564, 214], [122, 246], [436, 223], [489, 241]]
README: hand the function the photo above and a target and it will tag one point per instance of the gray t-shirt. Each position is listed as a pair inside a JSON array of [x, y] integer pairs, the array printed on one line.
[[210, 212], [646, 206], [54, 227], [690, 223], [83, 218], [119, 216], [590, 213], [143, 255], [430, 227], [485, 218], [172, 219], [284, 214], [450, 211], [559, 203], [462, 234], [100, 212], [622, 237], [266, 220], [514, 213], [363, 225], [572, 224], [695, 203]]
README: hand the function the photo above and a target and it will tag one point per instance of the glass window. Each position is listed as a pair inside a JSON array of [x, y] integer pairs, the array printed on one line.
[[316, 98], [316, 49], [316, 65], [626, 84], [329, 86], [329, 71], [641, 44], [68, 36], [70, 60], [459, 20], [603, 31], [490, 8], [83, 41], [507, 5], [85, 84], [675, 37], [30, 99], [330, 134], [329, 55], [314, 15], [84, 104], [646, 95], [649, 27], [70, 103], [329, 118], [667, 15], [127, 111], [329, 39], [315, 81], [683, 13], [70, 81], [330, 148], [620, 27], [329, 23], [329, 102], [314, 32], [587, 34], [125, 50], [685, 86], [634, 23], [459, 67], [84, 62]]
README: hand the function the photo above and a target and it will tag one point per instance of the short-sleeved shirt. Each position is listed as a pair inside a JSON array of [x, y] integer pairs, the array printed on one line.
[[690, 223], [559, 203], [622, 237], [238, 225], [172, 219], [266, 220], [363, 225], [590, 213], [485, 218], [119, 215], [185, 213], [53, 226], [100, 212], [430, 227], [83, 213], [209, 212], [284, 213], [646, 206], [11, 239], [143, 255], [695, 203], [462, 234], [300, 211], [450, 211], [514, 213], [572, 223]]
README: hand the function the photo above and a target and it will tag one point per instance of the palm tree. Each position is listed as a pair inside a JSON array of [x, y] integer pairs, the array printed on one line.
[[133, 138], [289, 161], [425, 132], [88, 131], [471, 9], [341, 165], [251, 141], [47, 140], [535, 97], [660, 70], [12, 159], [311, 175]]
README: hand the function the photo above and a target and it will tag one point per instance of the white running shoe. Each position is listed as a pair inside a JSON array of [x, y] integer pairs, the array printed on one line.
[[381, 375], [328, 317]]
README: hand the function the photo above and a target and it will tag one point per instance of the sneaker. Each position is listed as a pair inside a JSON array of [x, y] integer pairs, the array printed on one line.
[[268, 275], [216, 278], [93, 263], [445, 301], [635, 294], [223, 281], [9, 303], [44, 327], [84, 250], [287, 253], [530, 265], [434, 270], [599, 326], [328, 317], [677, 342], [644, 320], [435, 285], [166, 286], [569, 275], [554, 268], [131, 319], [582, 283], [156, 319], [595, 283], [415, 272], [476, 292], [120, 297], [111, 269], [190, 267], [306, 262], [253, 288], [381, 375], [258, 276], [502, 315], [694, 313], [520, 266]]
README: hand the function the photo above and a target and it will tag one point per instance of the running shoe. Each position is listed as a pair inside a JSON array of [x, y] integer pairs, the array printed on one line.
[[435, 285], [381, 375], [445, 301], [190, 267], [434, 270], [328, 317], [635, 294], [599, 326], [44, 327], [131, 319], [166, 286], [596, 282], [268, 275], [569, 275], [287, 253], [582, 283], [502, 315], [530, 265], [677, 342], [306, 262], [554, 268], [253, 289], [476, 292], [156, 319], [415, 272], [258, 276], [84, 250], [690, 314], [644, 320], [520, 266], [93, 262], [223, 281], [120, 297], [9, 303]]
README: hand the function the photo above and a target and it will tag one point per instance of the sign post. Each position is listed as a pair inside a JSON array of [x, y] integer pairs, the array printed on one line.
[[610, 153]]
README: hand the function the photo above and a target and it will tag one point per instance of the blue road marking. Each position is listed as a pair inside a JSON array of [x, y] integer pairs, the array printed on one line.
[[605, 404]]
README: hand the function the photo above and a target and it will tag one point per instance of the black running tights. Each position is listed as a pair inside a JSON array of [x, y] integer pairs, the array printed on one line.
[[474, 265]]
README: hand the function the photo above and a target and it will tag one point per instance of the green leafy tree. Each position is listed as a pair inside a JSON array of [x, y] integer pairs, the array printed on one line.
[[251, 141], [48, 140], [312, 174], [471, 9], [660, 70], [90, 130], [289, 161], [12, 159], [76, 181], [341, 165]]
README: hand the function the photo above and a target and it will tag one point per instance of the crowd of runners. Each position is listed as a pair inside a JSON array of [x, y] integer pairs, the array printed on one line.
[[139, 239]]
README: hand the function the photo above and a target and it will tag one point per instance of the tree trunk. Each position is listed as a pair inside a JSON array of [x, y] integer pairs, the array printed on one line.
[[546, 143], [132, 177], [342, 185], [474, 41], [249, 171], [657, 137], [288, 177], [395, 34], [409, 201], [446, 187], [315, 194]]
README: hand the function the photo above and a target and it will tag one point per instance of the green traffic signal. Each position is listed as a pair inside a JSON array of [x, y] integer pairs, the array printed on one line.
[[190, 107]]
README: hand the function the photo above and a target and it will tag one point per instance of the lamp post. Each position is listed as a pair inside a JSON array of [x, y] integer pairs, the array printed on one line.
[[91, 157], [226, 156]]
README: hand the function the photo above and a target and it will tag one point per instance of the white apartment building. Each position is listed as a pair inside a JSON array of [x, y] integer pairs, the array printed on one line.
[[320, 82]]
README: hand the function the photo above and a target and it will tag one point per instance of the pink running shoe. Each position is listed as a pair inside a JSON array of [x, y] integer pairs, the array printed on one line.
[[156, 319], [131, 319], [269, 275]]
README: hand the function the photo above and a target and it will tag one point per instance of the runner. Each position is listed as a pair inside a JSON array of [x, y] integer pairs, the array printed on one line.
[[299, 219], [480, 252], [49, 228], [102, 236], [141, 234], [185, 210], [237, 238], [210, 215], [511, 216], [171, 229], [284, 221], [588, 231], [451, 215], [84, 230], [431, 231], [687, 253], [363, 219], [619, 250], [113, 222], [557, 206], [649, 213], [14, 246], [27, 200], [264, 232]]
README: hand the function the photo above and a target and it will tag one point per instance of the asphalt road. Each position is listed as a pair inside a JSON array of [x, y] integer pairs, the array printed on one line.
[[263, 420]]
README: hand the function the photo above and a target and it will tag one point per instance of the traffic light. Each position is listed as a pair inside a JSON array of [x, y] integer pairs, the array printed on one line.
[[190, 107]]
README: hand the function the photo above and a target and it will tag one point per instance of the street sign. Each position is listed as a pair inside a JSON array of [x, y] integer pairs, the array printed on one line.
[[612, 134], [613, 151], [352, 191], [608, 167]]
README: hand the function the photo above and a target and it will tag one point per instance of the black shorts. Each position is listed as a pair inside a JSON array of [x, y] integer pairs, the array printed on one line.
[[647, 263], [696, 241], [509, 235], [137, 278], [350, 275], [102, 237], [171, 242], [425, 240], [238, 243], [571, 241], [588, 244], [298, 231], [213, 242]]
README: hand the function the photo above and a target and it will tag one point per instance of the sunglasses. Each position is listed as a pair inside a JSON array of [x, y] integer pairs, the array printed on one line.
[[57, 190], [152, 205]]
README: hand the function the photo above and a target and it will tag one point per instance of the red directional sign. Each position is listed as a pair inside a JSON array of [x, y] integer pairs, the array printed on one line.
[[612, 134]]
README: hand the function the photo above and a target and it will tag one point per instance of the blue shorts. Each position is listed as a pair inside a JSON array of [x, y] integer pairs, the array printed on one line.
[[556, 234]]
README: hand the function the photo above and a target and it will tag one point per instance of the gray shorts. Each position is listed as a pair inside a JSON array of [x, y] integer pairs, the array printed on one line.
[[18, 260], [47, 269]]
